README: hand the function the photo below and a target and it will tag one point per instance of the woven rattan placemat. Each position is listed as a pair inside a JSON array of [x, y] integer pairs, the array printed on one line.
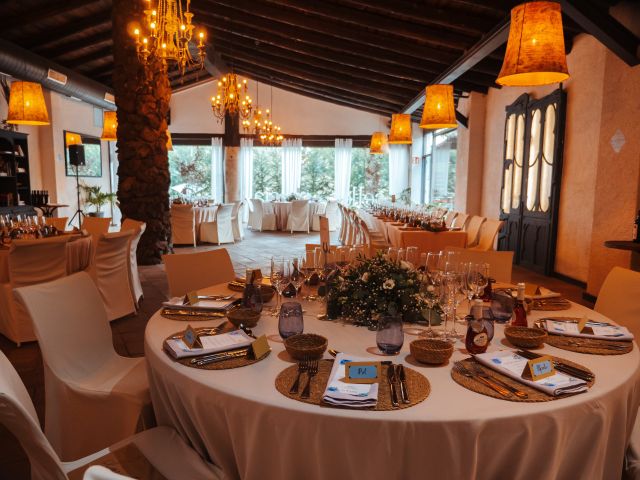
[[191, 315], [592, 346], [551, 305], [533, 395], [417, 385]]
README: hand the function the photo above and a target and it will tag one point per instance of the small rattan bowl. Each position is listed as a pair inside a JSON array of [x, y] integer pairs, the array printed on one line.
[[267, 293], [525, 337], [306, 346], [433, 352], [245, 316]]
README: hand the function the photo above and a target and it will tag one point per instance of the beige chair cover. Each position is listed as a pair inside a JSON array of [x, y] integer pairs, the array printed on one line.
[[265, 217], [30, 262], [161, 447], [473, 228], [96, 226], [193, 271], [332, 213], [460, 221], [251, 219], [298, 220], [619, 299], [220, 230], [500, 263], [111, 273], [450, 217], [59, 222], [183, 225], [93, 396], [321, 210], [236, 221], [488, 232], [138, 228]]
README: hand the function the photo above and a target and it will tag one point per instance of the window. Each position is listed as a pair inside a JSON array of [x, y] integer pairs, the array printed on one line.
[[371, 172], [318, 171], [440, 164], [190, 168], [267, 167]]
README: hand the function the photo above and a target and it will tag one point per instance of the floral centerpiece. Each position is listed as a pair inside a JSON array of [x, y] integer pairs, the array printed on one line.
[[378, 286]]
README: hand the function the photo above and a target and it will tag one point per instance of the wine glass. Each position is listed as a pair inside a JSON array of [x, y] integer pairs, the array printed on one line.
[[278, 280], [412, 256], [389, 336], [297, 275], [446, 299], [483, 278]]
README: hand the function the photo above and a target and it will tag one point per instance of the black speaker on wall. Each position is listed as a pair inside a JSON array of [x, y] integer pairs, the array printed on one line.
[[76, 155]]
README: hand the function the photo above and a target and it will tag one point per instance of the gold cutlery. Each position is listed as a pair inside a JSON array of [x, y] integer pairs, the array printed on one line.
[[460, 368], [404, 392], [479, 370]]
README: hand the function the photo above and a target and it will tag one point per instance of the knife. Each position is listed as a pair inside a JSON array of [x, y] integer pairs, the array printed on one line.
[[220, 355], [392, 386], [561, 367], [404, 393]]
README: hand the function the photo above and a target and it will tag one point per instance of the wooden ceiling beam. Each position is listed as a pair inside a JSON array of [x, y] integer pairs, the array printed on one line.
[[88, 58], [46, 11], [58, 34], [74, 44]]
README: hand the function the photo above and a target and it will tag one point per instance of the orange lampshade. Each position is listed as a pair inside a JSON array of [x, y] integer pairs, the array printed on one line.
[[400, 129], [535, 51], [26, 104], [109, 126], [72, 139], [169, 142], [439, 109], [379, 143]]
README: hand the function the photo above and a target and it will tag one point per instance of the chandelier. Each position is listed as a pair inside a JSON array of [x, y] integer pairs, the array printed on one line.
[[168, 33], [232, 98], [270, 133]]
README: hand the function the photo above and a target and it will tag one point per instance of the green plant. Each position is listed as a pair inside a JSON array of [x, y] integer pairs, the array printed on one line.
[[96, 197]]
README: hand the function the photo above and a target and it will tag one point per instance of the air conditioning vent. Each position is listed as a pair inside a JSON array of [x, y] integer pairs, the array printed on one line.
[[108, 97], [57, 77]]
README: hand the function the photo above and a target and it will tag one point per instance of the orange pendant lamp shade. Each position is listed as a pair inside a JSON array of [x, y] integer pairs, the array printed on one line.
[[26, 104], [109, 126], [72, 139], [439, 108], [400, 129], [379, 143], [535, 51], [169, 142]]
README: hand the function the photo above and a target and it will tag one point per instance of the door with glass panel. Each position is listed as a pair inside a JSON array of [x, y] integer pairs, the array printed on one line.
[[532, 169]]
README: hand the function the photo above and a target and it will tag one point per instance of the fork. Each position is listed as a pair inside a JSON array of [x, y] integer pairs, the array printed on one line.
[[464, 371], [477, 369], [303, 366], [313, 370]]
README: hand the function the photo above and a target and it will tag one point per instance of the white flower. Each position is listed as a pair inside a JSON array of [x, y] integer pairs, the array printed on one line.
[[365, 277], [405, 265], [389, 284]]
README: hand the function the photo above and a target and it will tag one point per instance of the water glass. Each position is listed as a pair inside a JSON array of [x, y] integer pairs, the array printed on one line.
[[412, 256], [290, 321], [390, 335], [502, 304]]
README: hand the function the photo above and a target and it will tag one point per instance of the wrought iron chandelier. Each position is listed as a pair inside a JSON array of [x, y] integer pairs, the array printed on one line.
[[232, 98], [167, 32], [270, 134]]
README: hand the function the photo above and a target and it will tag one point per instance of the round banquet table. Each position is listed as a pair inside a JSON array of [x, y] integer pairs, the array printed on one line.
[[282, 211], [238, 420]]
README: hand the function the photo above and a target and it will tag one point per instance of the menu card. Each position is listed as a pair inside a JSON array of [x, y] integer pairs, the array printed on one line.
[[354, 395], [511, 364], [210, 344], [178, 303], [540, 293], [603, 332]]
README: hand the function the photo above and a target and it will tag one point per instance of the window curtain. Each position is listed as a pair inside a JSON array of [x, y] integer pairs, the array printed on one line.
[[291, 165], [342, 169], [246, 174], [217, 170], [398, 169]]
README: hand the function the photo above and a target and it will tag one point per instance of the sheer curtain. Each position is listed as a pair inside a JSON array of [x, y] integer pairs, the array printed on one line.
[[398, 169], [217, 169], [291, 165], [342, 168], [246, 173]]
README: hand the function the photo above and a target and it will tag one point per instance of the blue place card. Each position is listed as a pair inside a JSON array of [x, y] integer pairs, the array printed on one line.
[[362, 372]]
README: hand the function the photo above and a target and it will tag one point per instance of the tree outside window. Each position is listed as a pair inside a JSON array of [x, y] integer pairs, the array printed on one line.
[[190, 169], [267, 168]]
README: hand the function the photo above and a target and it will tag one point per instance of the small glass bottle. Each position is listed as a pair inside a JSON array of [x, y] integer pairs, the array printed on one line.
[[487, 294], [252, 295], [477, 339], [519, 318]]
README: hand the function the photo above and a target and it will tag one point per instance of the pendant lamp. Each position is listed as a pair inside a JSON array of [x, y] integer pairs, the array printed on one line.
[[535, 50], [378, 143], [439, 109], [400, 129], [26, 104], [72, 139], [109, 126], [169, 142]]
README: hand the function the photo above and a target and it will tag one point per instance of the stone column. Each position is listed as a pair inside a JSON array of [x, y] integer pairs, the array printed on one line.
[[142, 97], [231, 158]]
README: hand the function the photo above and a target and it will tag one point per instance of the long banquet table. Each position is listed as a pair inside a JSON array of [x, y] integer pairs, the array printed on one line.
[[237, 419], [424, 240]]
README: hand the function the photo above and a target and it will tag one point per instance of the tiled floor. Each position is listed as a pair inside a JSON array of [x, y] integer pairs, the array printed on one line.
[[255, 251]]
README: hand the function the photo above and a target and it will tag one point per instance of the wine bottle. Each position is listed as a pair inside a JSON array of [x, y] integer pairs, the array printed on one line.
[[519, 312], [487, 293], [636, 229]]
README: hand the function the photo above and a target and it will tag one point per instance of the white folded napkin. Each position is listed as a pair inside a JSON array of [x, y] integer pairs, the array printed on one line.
[[511, 364], [210, 343], [544, 293], [601, 332], [178, 303], [354, 395]]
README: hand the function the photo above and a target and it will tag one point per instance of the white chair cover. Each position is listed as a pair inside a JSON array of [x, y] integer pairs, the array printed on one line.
[[220, 230], [96, 226], [30, 262], [138, 229], [473, 228], [488, 232], [163, 449], [321, 210], [193, 271], [236, 221], [265, 219], [183, 225], [449, 218], [500, 263], [111, 273], [93, 396], [251, 220], [298, 220], [460, 221], [332, 213], [619, 298], [59, 222]]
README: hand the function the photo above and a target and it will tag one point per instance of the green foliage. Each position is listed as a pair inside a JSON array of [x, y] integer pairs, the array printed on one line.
[[190, 165], [93, 161], [377, 175], [267, 168], [94, 196], [318, 171]]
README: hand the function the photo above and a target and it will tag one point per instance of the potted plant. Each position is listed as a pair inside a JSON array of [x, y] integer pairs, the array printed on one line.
[[96, 197]]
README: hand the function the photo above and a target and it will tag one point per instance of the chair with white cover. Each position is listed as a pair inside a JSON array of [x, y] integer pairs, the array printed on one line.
[[59, 222], [221, 229], [373, 242], [473, 229], [236, 221], [333, 214], [93, 396], [30, 262], [449, 218], [96, 226], [460, 221], [138, 228], [298, 220], [488, 233], [111, 273], [264, 217], [500, 263], [251, 219], [159, 450], [193, 271], [342, 236], [183, 225], [315, 221]]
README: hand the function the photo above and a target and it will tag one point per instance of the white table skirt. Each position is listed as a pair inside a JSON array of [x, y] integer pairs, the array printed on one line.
[[237, 419], [283, 209]]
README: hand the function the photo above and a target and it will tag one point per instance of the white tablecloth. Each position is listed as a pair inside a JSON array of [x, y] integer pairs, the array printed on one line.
[[238, 420], [283, 209]]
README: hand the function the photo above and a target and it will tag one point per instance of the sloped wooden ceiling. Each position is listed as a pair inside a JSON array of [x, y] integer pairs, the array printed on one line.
[[374, 55]]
